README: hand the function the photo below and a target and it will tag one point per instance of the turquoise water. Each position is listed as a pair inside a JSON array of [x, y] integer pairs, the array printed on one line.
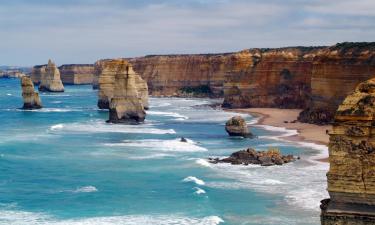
[[64, 165]]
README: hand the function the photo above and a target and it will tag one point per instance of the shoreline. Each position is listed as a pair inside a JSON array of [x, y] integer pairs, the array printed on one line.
[[286, 118]]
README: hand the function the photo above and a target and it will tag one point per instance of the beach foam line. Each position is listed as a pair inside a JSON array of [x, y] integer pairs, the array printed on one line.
[[102, 127], [302, 185], [174, 145], [22, 217], [193, 180]]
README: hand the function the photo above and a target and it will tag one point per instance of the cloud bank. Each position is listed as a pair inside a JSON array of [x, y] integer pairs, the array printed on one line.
[[82, 31]]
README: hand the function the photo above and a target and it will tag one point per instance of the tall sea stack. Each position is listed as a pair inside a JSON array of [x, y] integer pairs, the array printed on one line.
[[106, 76], [31, 99], [351, 177], [50, 80], [123, 89]]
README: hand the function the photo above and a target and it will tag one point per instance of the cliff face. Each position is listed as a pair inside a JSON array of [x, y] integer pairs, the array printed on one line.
[[351, 177], [31, 99], [36, 73], [337, 70], [106, 71], [184, 75], [126, 103], [50, 80], [270, 78], [77, 73]]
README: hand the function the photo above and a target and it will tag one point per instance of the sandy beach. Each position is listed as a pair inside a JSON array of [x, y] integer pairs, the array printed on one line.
[[287, 118]]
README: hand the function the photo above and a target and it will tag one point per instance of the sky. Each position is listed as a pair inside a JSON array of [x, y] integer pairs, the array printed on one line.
[[83, 31]]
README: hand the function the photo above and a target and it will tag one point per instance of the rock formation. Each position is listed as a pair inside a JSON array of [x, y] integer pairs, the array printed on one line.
[[37, 72], [237, 126], [277, 78], [50, 80], [337, 70], [126, 105], [106, 83], [351, 177], [31, 99], [77, 73], [250, 156]]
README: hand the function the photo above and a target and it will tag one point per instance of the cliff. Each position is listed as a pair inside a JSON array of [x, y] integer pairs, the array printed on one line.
[[277, 78], [50, 79], [351, 177], [106, 71], [31, 99], [36, 73], [337, 70], [184, 75], [126, 104], [77, 73]]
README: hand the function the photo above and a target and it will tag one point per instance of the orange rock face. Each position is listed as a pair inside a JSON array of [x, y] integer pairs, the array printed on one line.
[[351, 177], [170, 75], [77, 73], [337, 70], [270, 78]]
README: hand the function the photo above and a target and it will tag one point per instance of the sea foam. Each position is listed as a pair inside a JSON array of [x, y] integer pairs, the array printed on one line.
[[174, 145], [194, 180]]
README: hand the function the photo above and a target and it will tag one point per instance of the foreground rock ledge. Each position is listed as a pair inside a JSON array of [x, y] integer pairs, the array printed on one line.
[[250, 156], [351, 177], [31, 99]]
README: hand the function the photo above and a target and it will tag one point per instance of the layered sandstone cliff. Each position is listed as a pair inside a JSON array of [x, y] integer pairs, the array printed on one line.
[[50, 80], [125, 103], [336, 72], [184, 75], [106, 72], [77, 73], [351, 177], [31, 99], [270, 78]]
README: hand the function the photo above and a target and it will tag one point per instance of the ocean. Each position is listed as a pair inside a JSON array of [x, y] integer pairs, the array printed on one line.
[[64, 164]]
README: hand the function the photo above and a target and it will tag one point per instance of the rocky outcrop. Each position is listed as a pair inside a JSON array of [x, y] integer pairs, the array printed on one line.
[[106, 84], [337, 70], [250, 156], [77, 73], [237, 126], [31, 99], [126, 105], [351, 177], [50, 80], [277, 78]]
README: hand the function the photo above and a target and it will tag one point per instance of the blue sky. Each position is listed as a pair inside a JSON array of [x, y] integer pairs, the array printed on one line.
[[83, 31]]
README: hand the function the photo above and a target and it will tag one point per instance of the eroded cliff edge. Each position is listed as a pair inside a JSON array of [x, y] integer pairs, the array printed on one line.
[[336, 71], [351, 177]]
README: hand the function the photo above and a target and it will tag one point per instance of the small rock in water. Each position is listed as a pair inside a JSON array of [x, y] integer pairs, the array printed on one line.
[[250, 156], [237, 126], [183, 139]]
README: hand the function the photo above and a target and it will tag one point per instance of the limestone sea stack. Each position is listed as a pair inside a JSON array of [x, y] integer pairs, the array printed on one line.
[[237, 126], [50, 81], [118, 85], [106, 83], [31, 99], [351, 177]]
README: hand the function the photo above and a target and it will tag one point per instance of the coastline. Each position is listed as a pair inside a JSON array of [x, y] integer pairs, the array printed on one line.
[[286, 118]]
